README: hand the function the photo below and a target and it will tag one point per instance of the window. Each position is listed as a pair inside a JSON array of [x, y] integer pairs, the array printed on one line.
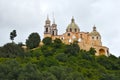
[[53, 32], [46, 29], [62, 38], [68, 34], [75, 30], [70, 30], [97, 37]]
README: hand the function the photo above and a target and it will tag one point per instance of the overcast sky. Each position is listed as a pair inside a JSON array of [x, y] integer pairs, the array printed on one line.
[[27, 16]]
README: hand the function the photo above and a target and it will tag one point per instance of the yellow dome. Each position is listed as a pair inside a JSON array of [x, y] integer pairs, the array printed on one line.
[[73, 26], [94, 32]]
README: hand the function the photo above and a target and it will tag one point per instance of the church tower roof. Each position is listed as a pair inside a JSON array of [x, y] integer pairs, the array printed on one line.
[[73, 25], [54, 24], [94, 32], [47, 21]]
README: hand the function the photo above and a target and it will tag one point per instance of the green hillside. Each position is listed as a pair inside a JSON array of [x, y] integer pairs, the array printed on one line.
[[56, 61]]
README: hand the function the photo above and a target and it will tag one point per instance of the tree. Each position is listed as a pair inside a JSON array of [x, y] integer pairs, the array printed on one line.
[[29, 72], [108, 77], [57, 43], [20, 44], [13, 35], [75, 76], [61, 57], [72, 49], [33, 40], [111, 64], [47, 40], [47, 76], [92, 51], [11, 50], [59, 72]]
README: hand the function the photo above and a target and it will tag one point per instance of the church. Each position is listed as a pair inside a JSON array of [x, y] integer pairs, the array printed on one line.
[[86, 40]]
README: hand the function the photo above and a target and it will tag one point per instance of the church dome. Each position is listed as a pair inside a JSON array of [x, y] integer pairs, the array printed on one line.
[[94, 32], [72, 27]]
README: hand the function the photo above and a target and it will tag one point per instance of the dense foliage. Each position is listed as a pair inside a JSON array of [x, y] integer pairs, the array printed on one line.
[[64, 62], [11, 50], [33, 40], [47, 41]]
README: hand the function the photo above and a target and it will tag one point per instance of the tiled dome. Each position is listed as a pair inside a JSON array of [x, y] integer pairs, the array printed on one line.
[[73, 27], [94, 32]]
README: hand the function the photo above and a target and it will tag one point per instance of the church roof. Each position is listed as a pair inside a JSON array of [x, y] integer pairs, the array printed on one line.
[[47, 21], [72, 25], [94, 32]]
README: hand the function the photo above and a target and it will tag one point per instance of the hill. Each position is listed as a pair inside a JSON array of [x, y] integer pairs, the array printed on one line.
[[56, 61]]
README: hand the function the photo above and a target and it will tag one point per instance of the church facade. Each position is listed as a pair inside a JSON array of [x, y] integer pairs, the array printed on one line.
[[86, 40]]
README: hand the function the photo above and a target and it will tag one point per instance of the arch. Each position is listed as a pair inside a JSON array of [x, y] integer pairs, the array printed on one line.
[[70, 29], [46, 29], [53, 32], [97, 37], [101, 52], [75, 30], [68, 34]]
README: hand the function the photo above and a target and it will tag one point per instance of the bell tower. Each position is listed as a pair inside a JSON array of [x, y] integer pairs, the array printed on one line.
[[54, 30], [47, 28]]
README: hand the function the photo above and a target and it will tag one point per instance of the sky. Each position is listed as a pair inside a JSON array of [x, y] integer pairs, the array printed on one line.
[[27, 16]]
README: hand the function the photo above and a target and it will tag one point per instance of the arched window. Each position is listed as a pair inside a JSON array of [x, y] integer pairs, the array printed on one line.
[[68, 34], [75, 30], [70, 30], [62, 38], [46, 29], [52, 32], [97, 37], [101, 52]]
